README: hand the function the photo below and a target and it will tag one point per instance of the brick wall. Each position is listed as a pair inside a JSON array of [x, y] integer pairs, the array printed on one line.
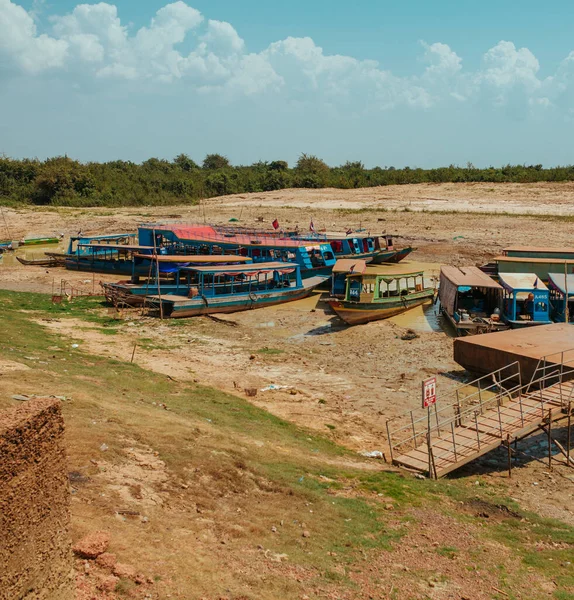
[[35, 555]]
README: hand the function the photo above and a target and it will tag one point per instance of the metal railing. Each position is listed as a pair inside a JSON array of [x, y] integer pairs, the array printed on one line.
[[412, 426], [525, 404]]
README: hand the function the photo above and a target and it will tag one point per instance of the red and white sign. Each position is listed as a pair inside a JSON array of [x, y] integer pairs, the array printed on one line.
[[429, 392]]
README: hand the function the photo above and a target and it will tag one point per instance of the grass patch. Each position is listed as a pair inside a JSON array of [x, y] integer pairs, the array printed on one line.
[[270, 351]]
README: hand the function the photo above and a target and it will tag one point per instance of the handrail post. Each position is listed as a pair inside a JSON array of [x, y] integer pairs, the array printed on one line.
[[480, 397], [476, 426], [459, 423], [521, 410], [500, 421], [550, 438], [414, 429], [390, 441], [453, 441], [436, 419]]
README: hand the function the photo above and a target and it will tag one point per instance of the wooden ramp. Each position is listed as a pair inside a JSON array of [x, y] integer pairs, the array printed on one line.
[[479, 421]]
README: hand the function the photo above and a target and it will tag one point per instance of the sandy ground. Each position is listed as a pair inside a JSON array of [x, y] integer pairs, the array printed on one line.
[[342, 381]]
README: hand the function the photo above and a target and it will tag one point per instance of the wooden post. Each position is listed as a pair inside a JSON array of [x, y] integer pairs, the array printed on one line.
[[436, 419], [134, 352], [569, 428], [453, 441], [414, 429], [550, 439], [390, 441], [429, 451], [509, 455], [476, 426]]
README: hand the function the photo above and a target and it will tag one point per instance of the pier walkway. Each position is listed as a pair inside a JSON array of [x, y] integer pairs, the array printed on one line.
[[491, 411]]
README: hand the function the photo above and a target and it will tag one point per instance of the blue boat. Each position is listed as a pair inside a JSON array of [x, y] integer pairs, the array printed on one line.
[[313, 258], [119, 259], [561, 297], [526, 300], [163, 274], [233, 288]]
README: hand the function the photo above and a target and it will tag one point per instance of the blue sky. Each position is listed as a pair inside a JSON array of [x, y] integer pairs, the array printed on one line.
[[414, 83]]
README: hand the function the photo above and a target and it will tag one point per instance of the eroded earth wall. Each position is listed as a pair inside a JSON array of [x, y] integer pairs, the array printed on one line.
[[35, 554]]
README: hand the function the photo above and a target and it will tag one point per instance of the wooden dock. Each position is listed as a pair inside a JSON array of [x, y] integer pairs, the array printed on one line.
[[456, 434]]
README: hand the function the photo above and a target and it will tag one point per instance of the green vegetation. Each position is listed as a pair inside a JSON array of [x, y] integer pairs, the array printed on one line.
[[62, 181]]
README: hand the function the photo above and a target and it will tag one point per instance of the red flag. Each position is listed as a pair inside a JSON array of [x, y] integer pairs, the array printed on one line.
[[311, 226], [275, 224]]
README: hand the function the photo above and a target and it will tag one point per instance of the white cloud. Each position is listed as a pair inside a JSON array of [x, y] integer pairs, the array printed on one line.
[[210, 55], [20, 44]]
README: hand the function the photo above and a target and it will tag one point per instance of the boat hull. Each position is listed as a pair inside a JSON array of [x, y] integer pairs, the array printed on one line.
[[201, 305], [396, 256], [358, 313]]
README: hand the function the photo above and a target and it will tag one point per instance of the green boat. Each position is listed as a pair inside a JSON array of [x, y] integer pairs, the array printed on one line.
[[40, 241]]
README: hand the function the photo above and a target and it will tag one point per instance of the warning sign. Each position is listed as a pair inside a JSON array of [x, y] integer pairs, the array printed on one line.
[[429, 392]]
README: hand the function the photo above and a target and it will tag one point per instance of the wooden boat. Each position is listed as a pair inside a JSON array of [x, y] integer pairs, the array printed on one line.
[[470, 300], [561, 297], [526, 300], [374, 293], [233, 288], [396, 258], [49, 261]]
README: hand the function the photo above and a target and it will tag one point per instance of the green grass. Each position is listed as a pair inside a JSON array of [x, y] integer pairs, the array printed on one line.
[[270, 351]]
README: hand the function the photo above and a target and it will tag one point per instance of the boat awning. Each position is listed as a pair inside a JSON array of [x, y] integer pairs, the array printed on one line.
[[534, 260], [561, 283], [467, 277], [251, 269], [521, 281], [117, 246], [453, 278], [209, 234], [539, 249], [196, 259], [350, 265]]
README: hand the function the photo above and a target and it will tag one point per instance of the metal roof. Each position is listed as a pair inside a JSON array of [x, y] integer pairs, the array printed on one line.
[[117, 246], [196, 259], [348, 265], [251, 268], [521, 281], [534, 259], [542, 249], [562, 283], [468, 276]]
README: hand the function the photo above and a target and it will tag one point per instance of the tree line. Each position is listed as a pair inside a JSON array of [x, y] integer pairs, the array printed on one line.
[[62, 181]]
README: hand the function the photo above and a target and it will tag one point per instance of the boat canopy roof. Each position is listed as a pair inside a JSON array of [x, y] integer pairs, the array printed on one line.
[[534, 259], [262, 267], [117, 246], [562, 283], [541, 249], [521, 281], [207, 233], [350, 265], [391, 270], [467, 277], [196, 259]]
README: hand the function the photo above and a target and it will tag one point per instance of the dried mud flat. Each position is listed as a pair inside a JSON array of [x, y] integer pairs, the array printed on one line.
[[342, 382]]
